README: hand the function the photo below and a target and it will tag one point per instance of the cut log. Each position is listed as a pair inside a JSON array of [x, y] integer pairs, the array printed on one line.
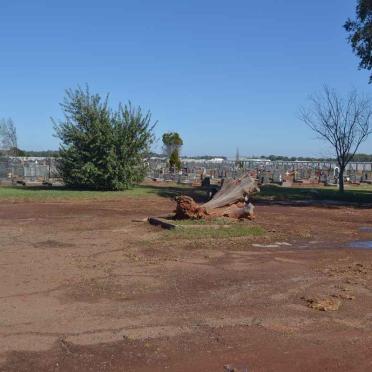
[[230, 201]]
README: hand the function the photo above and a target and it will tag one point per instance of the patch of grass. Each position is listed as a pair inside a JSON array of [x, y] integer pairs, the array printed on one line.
[[56, 193], [212, 221], [356, 194], [213, 232], [9, 193]]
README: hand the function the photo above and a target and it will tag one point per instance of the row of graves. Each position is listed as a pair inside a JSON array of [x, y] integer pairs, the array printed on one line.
[[284, 173], [309, 173], [194, 172]]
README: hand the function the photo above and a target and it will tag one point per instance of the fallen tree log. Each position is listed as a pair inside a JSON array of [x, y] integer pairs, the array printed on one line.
[[231, 201]]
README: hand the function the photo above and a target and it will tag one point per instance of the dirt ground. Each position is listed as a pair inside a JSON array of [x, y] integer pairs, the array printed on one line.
[[85, 288]]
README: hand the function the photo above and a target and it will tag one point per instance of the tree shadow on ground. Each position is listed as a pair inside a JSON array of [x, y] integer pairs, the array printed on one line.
[[269, 193], [199, 194], [279, 193]]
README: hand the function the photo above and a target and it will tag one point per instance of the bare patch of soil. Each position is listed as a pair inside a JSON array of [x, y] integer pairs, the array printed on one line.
[[84, 288], [50, 243]]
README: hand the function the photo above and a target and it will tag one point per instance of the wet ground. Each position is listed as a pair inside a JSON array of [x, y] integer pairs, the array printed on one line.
[[84, 288], [361, 244]]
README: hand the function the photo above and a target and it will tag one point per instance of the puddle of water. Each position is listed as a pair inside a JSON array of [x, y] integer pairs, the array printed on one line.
[[364, 244], [366, 229]]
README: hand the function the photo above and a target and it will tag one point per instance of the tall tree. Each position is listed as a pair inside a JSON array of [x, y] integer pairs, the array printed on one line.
[[174, 160], [237, 156], [360, 34], [171, 141], [343, 122], [172, 144], [100, 148], [8, 137]]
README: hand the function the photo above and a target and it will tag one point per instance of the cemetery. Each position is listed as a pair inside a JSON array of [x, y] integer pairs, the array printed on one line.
[[85, 266], [201, 258], [39, 170], [132, 239], [265, 172], [215, 250]]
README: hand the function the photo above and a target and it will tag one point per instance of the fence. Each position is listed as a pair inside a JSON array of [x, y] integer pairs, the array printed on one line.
[[28, 169]]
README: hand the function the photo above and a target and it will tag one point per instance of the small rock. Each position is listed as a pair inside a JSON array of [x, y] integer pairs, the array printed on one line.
[[265, 245], [230, 368], [325, 304], [344, 296]]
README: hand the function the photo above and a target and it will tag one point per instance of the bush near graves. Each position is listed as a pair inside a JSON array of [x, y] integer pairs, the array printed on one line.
[[100, 148]]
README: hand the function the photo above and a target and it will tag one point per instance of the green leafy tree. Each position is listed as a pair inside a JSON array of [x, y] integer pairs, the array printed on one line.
[[360, 34], [172, 144], [15, 151], [174, 160], [102, 149], [43, 153], [172, 141]]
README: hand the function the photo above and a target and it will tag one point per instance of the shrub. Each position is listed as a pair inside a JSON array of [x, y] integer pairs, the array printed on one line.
[[100, 148]]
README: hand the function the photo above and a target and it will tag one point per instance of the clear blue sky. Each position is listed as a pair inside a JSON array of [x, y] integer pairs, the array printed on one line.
[[223, 74]]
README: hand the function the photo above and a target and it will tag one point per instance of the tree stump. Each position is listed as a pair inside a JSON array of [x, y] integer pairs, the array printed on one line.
[[231, 201]]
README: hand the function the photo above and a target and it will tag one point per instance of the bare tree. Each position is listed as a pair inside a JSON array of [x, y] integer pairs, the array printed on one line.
[[8, 137], [345, 122]]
